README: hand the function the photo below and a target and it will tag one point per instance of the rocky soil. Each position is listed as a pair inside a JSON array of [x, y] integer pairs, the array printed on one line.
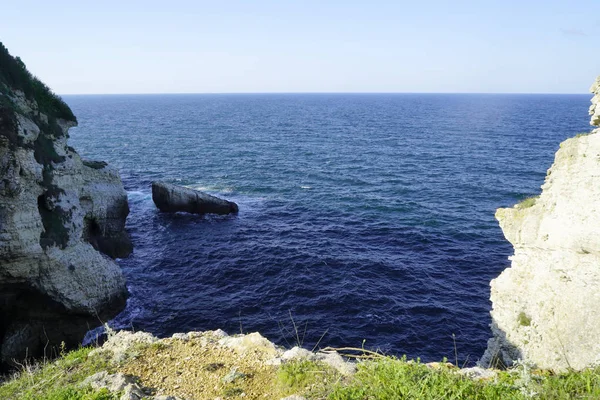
[[205, 365]]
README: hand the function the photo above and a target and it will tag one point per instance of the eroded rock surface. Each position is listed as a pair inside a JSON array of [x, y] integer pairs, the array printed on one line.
[[546, 306], [595, 107], [173, 198], [56, 212]]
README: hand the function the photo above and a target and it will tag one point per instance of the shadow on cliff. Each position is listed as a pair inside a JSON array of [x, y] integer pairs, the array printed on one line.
[[39, 325], [501, 353]]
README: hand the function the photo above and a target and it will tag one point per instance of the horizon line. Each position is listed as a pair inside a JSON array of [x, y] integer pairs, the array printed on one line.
[[266, 93]]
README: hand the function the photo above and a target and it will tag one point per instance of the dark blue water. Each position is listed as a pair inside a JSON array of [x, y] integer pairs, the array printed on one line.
[[362, 217]]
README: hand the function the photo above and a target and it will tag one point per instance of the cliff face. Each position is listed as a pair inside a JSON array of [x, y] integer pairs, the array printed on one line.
[[546, 306], [595, 107], [56, 212]]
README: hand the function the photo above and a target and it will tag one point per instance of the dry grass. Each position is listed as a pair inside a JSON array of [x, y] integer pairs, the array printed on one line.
[[197, 369]]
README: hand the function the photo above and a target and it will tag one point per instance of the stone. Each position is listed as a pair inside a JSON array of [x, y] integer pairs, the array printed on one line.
[[120, 344], [61, 222], [252, 342], [329, 358], [182, 336], [115, 383], [478, 373], [296, 353], [125, 384], [546, 305], [337, 362], [175, 198], [219, 333], [233, 375]]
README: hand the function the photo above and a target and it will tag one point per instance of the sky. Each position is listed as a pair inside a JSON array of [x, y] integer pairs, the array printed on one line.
[[433, 46]]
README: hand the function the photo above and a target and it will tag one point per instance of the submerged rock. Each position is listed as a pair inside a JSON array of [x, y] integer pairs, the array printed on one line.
[[60, 222], [173, 198], [546, 306]]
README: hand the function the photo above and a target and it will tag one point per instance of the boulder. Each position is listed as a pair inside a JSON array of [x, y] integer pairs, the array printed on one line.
[[173, 198]]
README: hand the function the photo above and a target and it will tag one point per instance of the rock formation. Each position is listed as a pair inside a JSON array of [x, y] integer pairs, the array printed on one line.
[[546, 306], [173, 198], [595, 107], [56, 212]]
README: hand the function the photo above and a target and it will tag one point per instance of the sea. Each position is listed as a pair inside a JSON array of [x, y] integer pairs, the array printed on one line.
[[365, 220]]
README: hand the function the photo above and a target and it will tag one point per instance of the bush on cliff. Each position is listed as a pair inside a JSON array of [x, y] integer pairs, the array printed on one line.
[[528, 202], [15, 76]]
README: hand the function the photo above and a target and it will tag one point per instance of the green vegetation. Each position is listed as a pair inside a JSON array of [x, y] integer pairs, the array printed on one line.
[[385, 378], [59, 380], [312, 378], [390, 378], [528, 202], [581, 134], [523, 319], [15, 76]]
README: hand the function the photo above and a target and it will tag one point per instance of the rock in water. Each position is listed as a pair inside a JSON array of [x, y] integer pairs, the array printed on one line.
[[60, 220], [173, 198], [546, 306]]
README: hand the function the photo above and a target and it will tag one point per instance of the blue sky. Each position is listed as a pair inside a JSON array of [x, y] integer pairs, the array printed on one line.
[[525, 46]]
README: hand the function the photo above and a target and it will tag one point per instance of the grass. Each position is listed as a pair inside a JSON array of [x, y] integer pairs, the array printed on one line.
[[528, 202], [391, 378], [381, 377], [311, 378], [59, 380]]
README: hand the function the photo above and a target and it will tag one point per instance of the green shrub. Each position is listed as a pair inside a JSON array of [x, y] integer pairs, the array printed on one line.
[[581, 134], [15, 76], [528, 202], [524, 319]]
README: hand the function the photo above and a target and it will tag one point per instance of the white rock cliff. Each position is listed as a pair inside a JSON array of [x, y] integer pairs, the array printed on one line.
[[60, 220], [595, 107], [546, 306]]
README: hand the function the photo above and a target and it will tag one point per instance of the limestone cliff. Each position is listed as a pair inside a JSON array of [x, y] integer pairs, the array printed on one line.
[[56, 212], [546, 306], [595, 107]]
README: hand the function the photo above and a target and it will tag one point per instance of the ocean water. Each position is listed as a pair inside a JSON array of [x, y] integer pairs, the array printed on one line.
[[365, 219]]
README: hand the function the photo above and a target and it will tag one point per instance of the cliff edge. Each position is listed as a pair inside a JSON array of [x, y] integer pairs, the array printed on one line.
[[546, 306], [61, 220]]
